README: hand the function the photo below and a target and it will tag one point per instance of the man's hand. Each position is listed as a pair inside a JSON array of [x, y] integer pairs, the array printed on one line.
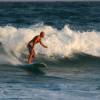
[[45, 46]]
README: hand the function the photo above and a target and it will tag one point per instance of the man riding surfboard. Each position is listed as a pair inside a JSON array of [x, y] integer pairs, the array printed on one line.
[[31, 44]]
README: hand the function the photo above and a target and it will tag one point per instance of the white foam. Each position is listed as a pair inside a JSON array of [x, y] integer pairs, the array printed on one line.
[[62, 43]]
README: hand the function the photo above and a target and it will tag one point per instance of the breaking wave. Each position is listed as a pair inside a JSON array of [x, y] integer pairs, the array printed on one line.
[[61, 43]]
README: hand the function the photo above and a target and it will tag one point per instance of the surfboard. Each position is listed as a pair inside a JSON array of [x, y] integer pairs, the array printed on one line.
[[35, 68]]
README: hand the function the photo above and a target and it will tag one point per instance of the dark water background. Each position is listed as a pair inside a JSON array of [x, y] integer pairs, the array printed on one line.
[[79, 15]]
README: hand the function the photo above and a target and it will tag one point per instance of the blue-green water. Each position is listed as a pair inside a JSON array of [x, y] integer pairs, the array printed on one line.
[[72, 57], [79, 15]]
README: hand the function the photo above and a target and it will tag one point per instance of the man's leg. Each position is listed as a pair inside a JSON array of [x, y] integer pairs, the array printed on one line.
[[31, 57]]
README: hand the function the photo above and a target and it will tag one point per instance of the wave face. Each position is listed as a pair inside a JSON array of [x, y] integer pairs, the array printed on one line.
[[61, 43]]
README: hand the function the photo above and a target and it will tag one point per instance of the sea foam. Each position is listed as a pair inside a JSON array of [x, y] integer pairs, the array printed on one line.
[[61, 43]]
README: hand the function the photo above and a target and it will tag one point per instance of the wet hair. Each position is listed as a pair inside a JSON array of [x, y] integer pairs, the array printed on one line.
[[42, 34]]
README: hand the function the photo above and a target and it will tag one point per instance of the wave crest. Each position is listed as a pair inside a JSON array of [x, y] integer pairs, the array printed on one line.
[[61, 43]]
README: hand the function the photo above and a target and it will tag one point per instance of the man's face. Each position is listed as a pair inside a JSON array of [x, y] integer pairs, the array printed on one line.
[[42, 34]]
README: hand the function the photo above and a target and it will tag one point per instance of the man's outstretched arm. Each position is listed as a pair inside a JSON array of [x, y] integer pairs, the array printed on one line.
[[43, 45]]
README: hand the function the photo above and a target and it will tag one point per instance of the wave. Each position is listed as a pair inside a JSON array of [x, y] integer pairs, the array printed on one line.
[[77, 60], [61, 43], [59, 69], [81, 59]]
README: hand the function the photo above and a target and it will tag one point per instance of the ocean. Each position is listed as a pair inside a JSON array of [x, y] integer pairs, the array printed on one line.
[[72, 59]]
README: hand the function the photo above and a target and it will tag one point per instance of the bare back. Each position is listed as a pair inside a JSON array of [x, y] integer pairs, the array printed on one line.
[[35, 40]]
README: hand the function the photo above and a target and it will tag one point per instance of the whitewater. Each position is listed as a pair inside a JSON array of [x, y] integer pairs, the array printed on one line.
[[61, 43]]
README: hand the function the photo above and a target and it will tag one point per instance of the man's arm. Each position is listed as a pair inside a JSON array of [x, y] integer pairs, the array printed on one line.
[[43, 44]]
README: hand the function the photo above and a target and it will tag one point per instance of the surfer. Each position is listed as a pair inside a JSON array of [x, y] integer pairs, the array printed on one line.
[[31, 44]]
